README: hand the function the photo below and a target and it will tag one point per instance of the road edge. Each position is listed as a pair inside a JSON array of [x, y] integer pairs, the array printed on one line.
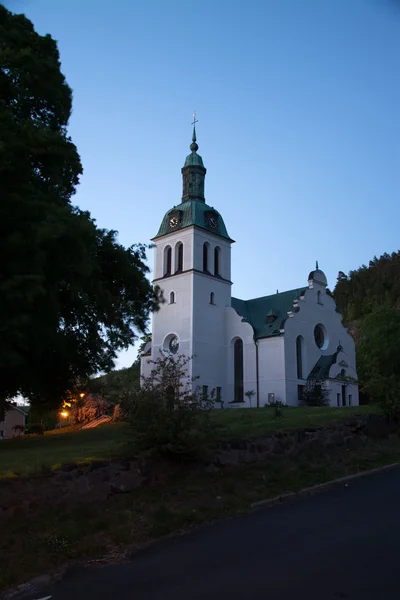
[[319, 487]]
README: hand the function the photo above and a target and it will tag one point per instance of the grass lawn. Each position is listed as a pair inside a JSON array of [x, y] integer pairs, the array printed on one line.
[[243, 422], [38, 453], [35, 454]]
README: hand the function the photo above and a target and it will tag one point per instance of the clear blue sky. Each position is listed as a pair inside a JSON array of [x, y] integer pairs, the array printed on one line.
[[298, 104]]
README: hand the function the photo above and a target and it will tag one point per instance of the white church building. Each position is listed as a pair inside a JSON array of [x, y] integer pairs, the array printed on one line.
[[270, 345]]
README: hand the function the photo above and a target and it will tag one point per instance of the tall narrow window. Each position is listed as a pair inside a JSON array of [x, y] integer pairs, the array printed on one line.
[[205, 257], [205, 392], [219, 395], [172, 298], [319, 297], [212, 298], [179, 257], [238, 370], [350, 399], [217, 260], [167, 260], [299, 357], [338, 399]]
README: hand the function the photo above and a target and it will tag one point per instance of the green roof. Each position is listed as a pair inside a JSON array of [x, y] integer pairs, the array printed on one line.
[[322, 367], [267, 314], [194, 212], [194, 159]]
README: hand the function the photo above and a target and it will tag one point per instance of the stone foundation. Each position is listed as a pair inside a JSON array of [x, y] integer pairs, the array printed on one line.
[[246, 451]]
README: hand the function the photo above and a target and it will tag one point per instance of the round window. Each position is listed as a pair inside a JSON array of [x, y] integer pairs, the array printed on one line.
[[319, 336], [171, 344]]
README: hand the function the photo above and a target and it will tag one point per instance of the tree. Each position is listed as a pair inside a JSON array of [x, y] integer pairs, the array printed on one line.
[[117, 386], [249, 395], [70, 295], [315, 393], [379, 359], [166, 416]]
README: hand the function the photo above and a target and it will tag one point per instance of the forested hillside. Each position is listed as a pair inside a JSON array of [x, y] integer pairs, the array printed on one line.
[[369, 300], [367, 288]]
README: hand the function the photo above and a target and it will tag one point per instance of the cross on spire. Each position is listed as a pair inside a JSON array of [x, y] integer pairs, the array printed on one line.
[[194, 127]]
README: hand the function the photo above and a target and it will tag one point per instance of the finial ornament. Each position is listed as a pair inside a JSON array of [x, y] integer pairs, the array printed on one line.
[[193, 146], [316, 264]]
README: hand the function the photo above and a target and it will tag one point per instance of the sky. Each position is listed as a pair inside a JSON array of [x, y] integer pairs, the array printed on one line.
[[298, 106]]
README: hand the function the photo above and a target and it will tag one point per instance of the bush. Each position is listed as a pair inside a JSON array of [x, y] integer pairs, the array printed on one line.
[[36, 428], [88, 408], [167, 418], [386, 394], [18, 429], [315, 393]]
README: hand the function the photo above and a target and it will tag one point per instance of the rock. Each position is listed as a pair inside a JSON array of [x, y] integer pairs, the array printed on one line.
[[61, 475], [238, 444], [99, 464], [125, 482], [211, 468], [69, 467], [125, 465], [249, 458], [226, 459], [379, 426]]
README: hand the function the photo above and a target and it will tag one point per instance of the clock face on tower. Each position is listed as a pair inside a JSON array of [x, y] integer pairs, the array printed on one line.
[[212, 222], [173, 222]]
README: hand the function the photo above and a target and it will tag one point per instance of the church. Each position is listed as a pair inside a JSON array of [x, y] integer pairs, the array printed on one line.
[[250, 352]]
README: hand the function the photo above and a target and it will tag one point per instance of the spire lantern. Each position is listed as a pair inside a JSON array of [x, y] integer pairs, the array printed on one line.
[[193, 172]]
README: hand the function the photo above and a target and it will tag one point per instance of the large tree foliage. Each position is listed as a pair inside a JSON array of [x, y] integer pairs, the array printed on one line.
[[378, 357], [70, 295], [369, 300], [359, 293]]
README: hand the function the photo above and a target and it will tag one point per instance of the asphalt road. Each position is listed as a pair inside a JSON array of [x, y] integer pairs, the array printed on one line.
[[342, 543]]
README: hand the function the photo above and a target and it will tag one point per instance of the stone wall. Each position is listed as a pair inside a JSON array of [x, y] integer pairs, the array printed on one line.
[[246, 451], [75, 484], [79, 484]]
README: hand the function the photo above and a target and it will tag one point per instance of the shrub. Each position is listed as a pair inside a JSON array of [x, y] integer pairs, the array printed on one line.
[[36, 428], [166, 416], [386, 394], [315, 393], [18, 429]]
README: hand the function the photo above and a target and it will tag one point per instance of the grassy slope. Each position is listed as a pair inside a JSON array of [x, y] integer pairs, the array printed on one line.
[[244, 422], [44, 538], [33, 454]]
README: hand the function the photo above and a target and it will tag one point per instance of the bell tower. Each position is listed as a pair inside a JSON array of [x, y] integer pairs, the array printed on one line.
[[192, 265]]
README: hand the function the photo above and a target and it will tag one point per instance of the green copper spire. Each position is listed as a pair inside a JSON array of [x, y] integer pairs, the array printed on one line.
[[193, 172]]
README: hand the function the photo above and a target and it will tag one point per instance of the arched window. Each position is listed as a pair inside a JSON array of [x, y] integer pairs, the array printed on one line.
[[238, 370], [172, 298], [212, 298], [319, 297], [179, 257], [299, 357], [343, 373], [217, 260], [167, 260], [205, 257]]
